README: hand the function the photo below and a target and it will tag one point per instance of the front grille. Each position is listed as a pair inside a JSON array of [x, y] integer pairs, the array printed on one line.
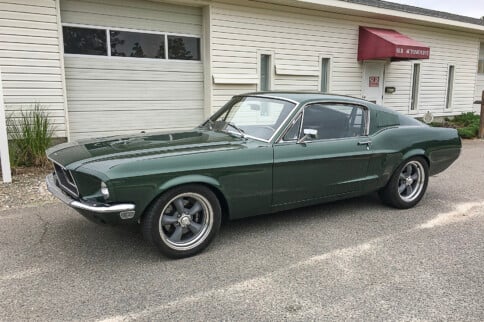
[[65, 180]]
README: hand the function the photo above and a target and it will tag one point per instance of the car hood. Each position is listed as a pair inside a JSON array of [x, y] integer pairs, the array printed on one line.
[[74, 154]]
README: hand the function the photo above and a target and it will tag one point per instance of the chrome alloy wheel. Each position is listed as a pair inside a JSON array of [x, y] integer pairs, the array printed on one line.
[[411, 181], [185, 221]]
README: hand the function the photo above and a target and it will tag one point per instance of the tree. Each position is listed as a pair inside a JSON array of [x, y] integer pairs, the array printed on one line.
[[137, 50], [178, 49]]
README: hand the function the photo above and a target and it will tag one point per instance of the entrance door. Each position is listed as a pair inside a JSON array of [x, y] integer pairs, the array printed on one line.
[[372, 87]]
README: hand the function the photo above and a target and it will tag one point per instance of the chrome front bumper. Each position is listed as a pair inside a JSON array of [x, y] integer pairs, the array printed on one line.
[[101, 209]]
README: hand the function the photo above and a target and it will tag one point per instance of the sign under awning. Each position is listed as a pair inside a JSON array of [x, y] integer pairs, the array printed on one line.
[[377, 43]]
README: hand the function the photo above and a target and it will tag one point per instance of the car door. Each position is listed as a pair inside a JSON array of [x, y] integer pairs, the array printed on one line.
[[332, 162]]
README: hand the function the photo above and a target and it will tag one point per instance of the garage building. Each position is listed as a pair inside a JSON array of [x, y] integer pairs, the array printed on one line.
[[104, 67]]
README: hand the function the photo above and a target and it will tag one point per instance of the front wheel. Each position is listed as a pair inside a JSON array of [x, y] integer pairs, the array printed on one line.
[[407, 184], [183, 221]]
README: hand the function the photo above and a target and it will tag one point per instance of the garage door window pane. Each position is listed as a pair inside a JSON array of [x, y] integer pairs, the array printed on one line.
[[185, 48], [84, 41], [137, 44]]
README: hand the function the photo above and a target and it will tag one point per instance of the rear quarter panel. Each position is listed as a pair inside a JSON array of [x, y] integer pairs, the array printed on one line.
[[392, 146]]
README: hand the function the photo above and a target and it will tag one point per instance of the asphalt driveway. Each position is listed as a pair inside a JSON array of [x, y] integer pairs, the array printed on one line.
[[352, 260]]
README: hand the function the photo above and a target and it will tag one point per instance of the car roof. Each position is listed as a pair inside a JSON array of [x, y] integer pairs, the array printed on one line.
[[304, 97], [308, 97]]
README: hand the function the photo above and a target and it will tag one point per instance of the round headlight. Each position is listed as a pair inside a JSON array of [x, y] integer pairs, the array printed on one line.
[[104, 190]]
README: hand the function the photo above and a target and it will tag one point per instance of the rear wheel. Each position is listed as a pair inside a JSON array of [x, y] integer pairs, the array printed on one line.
[[407, 184], [183, 221]]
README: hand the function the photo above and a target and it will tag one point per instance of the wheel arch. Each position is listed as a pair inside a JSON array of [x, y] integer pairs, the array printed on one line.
[[415, 153], [388, 192], [398, 161], [406, 156], [205, 181]]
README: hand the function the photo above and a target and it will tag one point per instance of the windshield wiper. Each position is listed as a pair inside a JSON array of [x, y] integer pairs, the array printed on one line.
[[242, 132], [209, 124], [222, 126]]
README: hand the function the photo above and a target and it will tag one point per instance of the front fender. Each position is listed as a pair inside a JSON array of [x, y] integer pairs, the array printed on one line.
[[144, 202], [187, 179]]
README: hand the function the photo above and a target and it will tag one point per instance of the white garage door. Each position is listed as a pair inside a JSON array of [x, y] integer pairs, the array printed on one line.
[[131, 66]]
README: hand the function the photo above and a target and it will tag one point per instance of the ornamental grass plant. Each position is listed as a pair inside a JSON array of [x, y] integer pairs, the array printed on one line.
[[30, 133]]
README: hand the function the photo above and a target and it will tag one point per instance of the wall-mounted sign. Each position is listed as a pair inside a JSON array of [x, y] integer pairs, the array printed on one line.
[[374, 81], [412, 52]]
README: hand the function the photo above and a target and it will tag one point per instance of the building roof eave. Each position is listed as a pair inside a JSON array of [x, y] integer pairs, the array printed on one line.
[[357, 8]]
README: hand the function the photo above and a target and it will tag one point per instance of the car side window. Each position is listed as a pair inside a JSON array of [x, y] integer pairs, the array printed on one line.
[[332, 121]]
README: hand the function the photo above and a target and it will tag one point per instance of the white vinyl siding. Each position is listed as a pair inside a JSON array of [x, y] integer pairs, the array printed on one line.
[[296, 40], [446, 48], [116, 95], [299, 37], [30, 61]]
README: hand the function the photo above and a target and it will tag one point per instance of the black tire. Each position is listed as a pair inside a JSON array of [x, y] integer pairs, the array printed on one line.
[[407, 185], [171, 226]]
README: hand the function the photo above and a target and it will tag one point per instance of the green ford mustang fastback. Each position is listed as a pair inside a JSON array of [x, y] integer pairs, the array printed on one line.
[[260, 153]]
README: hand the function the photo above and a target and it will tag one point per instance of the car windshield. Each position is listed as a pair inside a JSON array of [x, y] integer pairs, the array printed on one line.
[[256, 117]]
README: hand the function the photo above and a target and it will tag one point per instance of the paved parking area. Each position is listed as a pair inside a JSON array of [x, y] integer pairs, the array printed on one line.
[[352, 260]]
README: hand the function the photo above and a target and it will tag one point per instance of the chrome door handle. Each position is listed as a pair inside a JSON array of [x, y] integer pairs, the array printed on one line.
[[365, 142]]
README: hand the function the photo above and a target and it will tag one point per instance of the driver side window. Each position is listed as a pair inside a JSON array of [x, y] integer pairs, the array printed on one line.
[[333, 121]]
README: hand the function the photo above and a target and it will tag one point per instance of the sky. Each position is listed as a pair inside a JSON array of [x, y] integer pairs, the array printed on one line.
[[470, 8]]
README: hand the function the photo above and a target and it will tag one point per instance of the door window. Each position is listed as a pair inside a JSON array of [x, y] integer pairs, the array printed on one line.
[[332, 121]]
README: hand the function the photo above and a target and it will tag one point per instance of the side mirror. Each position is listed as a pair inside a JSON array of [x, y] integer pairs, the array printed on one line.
[[308, 134]]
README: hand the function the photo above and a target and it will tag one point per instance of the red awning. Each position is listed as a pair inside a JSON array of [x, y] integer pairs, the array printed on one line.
[[376, 43]]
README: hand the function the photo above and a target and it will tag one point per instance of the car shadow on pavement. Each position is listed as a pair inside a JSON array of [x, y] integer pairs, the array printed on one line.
[[294, 234], [274, 230]]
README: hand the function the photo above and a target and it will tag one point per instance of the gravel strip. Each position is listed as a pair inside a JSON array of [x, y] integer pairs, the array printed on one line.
[[27, 189]]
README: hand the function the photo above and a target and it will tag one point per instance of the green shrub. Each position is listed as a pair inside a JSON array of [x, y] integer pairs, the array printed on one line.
[[467, 124], [468, 132], [30, 135], [466, 119]]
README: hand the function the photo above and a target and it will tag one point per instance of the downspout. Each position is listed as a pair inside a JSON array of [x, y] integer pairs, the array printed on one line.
[[207, 61], [4, 154]]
